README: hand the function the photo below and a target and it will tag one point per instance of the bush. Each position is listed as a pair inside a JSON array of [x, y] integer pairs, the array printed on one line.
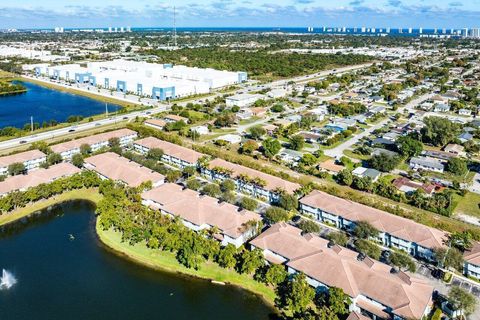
[[276, 214], [248, 203]]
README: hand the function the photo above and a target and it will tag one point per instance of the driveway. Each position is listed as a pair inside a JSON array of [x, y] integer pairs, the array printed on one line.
[[337, 152]]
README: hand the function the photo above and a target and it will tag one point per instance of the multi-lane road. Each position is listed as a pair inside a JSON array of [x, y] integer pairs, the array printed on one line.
[[65, 131]]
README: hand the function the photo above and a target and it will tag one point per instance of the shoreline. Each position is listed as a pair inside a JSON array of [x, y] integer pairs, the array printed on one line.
[[154, 259], [162, 261], [91, 195], [122, 103]]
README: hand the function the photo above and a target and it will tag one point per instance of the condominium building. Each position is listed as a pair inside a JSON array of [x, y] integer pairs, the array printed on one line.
[[172, 153], [37, 177], [250, 181], [375, 289], [471, 266], [394, 231], [96, 142], [112, 166], [201, 212], [30, 159]]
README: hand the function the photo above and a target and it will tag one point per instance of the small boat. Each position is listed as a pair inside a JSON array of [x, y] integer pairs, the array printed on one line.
[[218, 282], [71, 237]]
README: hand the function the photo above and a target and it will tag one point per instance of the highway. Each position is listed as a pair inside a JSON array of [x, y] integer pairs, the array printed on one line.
[[74, 128]]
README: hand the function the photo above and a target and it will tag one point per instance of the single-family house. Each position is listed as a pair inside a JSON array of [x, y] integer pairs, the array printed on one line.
[[428, 164]]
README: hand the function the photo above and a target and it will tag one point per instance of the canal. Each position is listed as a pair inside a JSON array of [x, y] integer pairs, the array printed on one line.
[[74, 277], [44, 104]]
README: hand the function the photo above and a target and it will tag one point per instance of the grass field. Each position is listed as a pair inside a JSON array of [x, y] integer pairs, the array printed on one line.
[[82, 194], [469, 205], [166, 261]]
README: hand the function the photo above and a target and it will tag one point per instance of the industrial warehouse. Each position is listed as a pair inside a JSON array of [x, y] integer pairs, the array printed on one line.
[[156, 81]]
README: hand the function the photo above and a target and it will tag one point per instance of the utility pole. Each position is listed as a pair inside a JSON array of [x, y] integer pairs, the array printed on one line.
[[106, 110], [31, 123]]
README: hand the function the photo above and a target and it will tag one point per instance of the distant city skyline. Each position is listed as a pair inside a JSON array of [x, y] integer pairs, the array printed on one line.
[[245, 13]]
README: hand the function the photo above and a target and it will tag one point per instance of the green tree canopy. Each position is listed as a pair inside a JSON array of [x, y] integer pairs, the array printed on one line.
[[409, 146], [271, 147], [276, 214], [16, 168], [439, 131], [457, 166]]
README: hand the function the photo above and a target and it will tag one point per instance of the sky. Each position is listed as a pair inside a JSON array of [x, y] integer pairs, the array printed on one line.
[[240, 13]]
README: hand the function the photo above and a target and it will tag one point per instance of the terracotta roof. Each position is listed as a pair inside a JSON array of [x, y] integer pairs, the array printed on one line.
[[331, 166], [37, 177], [403, 181], [472, 256], [156, 122], [272, 181], [383, 221], [201, 209], [21, 157], [115, 167], [97, 138], [174, 117], [171, 149], [339, 267], [357, 316]]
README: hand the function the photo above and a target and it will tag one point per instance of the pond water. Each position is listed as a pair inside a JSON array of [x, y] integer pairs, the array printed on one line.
[[44, 104], [59, 277]]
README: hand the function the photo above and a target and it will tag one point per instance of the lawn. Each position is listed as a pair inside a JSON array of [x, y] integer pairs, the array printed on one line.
[[82, 194], [351, 154], [469, 205], [166, 261]]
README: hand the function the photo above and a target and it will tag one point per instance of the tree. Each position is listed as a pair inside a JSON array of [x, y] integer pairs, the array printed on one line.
[[457, 166], [383, 162], [308, 159], [248, 203], [368, 248], [277, 108], [228, 185], [275, 274], [114, 142], [251, 260], [460, 299], [409, 146], [249, 146], [54, 158], [77, 160], [226, 256], [296, 294], [364, 230], [228, 196], [439, 131], [335, 299], [288, 201], [461, 240], [16, 168], [194, 184], [271, 147], [212, 190], [338, 237], [155, 154], [402, 260], [256, 132], [189, 171], [85, 149], [225, 120], [297, 142], [173, 175], [345, 177], [453, 259], [308, 226], [276, 214]]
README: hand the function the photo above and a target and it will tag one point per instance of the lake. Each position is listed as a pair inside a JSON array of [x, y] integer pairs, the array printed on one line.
[[45, 104], [61, 278]]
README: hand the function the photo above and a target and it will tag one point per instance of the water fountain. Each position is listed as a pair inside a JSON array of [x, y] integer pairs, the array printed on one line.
[[7, 280]]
